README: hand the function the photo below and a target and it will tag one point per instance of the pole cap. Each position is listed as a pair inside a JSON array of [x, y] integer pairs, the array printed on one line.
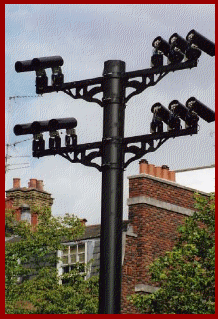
[[114, 68]]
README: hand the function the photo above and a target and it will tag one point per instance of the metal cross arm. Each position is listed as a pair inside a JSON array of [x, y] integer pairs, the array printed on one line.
[[79, 153], [81, 90], [147, 76], [147, 142], [163, 69], [80, 156]]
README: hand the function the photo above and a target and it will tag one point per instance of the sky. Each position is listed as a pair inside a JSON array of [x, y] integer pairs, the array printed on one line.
[[87, 35], [202, 179]]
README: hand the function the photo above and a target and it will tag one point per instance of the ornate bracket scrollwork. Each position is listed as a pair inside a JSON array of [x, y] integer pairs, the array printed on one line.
[[147, 80], [151, 142], [146, 147], [85, 94], [84, 159]]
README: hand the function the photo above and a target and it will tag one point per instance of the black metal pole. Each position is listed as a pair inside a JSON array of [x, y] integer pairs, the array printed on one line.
[[112, 187]]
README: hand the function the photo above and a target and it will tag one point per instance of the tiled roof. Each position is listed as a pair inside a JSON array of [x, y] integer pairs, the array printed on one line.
[[25, 189], [92, 231]]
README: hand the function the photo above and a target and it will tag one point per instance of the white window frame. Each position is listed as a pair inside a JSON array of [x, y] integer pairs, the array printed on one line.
[[60, 255]]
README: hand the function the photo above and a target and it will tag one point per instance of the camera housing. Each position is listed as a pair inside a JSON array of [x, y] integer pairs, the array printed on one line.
[[45, 126], [174, 56], [156, 59], [24, 66], [178, 109], [172, 121], [191, 53], [202, 110], [47, 62], [202, 43], [37, 64]]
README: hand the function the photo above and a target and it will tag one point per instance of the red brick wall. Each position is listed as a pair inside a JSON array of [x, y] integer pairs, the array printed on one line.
[[129, 274], [34, 195], [156, 230], [34, 219], [9, 206], [161, 190], [8, 203]]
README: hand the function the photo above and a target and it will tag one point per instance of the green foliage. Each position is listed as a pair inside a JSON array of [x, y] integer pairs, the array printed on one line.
[[78, 296], [186, 275], [32, 256]]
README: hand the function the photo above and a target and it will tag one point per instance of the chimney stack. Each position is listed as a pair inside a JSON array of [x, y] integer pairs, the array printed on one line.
[[39, 185], [156, 171], [16, 182], [32, 183], [165, 171], [143, 166]]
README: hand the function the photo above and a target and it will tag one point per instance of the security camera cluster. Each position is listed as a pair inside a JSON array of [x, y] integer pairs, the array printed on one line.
[[178, 49], [114, 146], [189, 113], [37, 128], [39, 65]]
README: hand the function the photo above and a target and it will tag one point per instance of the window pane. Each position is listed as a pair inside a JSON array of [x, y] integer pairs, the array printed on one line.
[[81, 268], [81, 248], [65, 259], [82, 258], [66, 269], [73, 249], [73, 258]]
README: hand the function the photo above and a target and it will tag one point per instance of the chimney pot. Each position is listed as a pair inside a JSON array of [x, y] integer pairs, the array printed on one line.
[[158, 172], [16, 182], [143, 160], [143, 166], [172, 176], [165, 167], [151, 169], [32, 183], [165, 172], [39, 185]]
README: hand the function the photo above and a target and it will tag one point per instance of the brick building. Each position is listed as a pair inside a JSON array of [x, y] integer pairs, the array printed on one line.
[[157, 206], [23, 199]]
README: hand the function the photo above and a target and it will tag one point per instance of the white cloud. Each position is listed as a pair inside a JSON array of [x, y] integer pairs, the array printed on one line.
[[202, 179]]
